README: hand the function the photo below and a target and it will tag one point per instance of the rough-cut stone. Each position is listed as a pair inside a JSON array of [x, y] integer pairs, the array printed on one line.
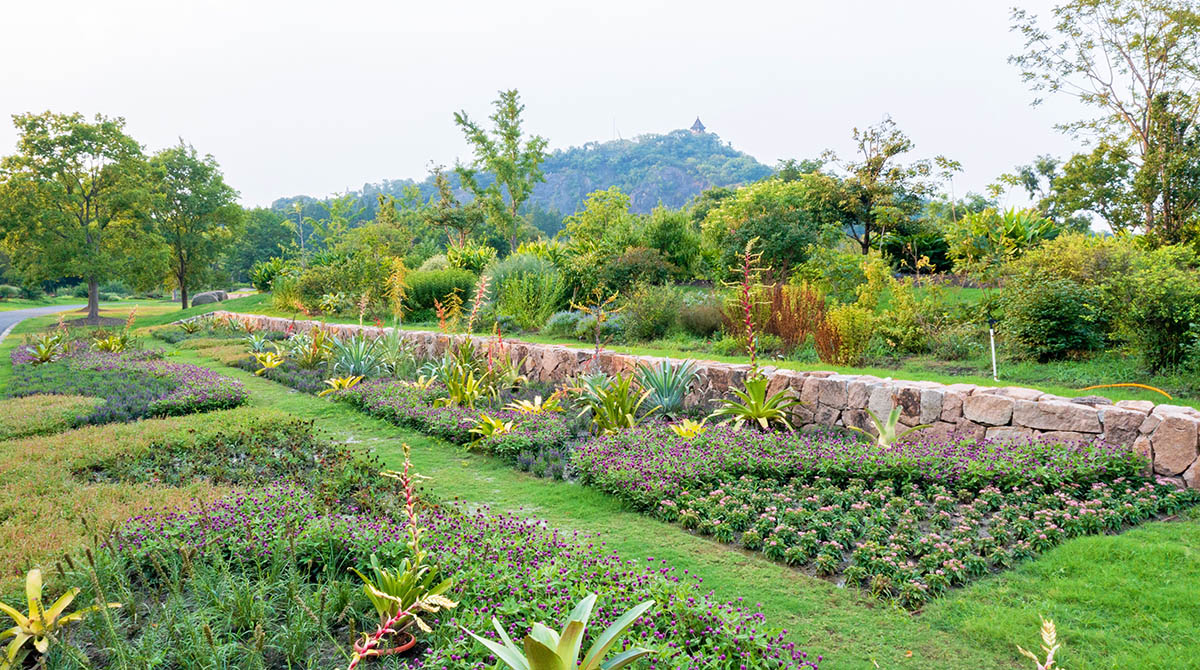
[[1174, 444], [209, 297], [970, 429], [1066, 436], [859, 419], [858, 393], [1142, 447], [1143, 406], [832, 391], [826, 415], [1019, 393], [1091, 400], [779, 381], [931, 405], [989, 410], [908, 398], [940, 430], [883, 398], [952, 406], [809, 393], [1008, 433], [1120, 425], [1191, 476], [1056, 416]]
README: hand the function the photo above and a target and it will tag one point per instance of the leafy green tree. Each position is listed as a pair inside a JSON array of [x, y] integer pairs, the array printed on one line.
[[196, 213], [512, 159], [880, 191], [265, 233], [596, 235], [459, 221], [673, 234], [789, 218], [72, 201], [338, 215], [1138, 63], [1099, 182]]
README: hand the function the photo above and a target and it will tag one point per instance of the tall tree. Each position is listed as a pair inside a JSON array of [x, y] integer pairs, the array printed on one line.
[[512, 159], [880, 191], [458, 220], [72, 200], [196, 213], [264, 233], [1138, 63]]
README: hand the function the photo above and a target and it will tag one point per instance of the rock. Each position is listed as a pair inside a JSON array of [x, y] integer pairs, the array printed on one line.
[[1066, 436], [952, 406], [858, 393], [1008, 433], [209, 297], [908, 398], [859, 419], [1019, 393], [883, 398], [1091, 400], [1143, 448], [809, 393], [969, 429], [1143, 406], [1056, 416], [779, 381], [832, 391], [826, 415], [989, 410], [1174, 443], [1120, 425], [931, 405], [1191, 476]]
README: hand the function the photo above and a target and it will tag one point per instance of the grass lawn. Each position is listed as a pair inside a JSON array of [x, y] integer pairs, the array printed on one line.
[[1090, 585], [20, 303]]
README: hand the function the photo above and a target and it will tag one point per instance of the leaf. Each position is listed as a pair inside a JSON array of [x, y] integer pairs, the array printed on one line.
[[511, 657], [606, 639], [540, 656], [625, 658]]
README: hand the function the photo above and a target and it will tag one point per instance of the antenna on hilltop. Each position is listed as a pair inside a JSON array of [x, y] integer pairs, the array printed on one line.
[[616, 133]]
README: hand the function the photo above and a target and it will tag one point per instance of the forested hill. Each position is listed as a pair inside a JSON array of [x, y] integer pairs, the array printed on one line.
[[670, 169]]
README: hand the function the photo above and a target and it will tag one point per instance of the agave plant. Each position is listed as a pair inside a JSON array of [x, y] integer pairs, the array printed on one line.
[[488, 426], [114, 344], [545, 649], [688, 428], [311, 350], [339, 384], [49, 347], [668, 383], [357, 356], [616, 405], [756, 407], [268, 360], [398, 354], [257, 342], [191, 327], [41, 624], [886, 434]]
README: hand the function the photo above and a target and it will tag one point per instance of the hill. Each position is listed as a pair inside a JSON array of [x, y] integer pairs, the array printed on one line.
[[668, 169]]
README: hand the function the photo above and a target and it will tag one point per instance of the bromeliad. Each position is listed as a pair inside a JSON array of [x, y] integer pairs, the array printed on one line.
[[41, 624]]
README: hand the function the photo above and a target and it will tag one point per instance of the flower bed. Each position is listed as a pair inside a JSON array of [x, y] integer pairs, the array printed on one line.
[[503, 565], [906, 521], [133, 384]]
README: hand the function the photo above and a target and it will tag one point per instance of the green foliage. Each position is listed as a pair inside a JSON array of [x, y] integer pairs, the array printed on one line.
[[1050, 319], [850, 328], [596, 235], [836, 272], [530, 299], [1162, 317], [470, 256], [545, 649], [755, 407], [981, 243], [637, 265], [650, 312], [700, 315], [669, 383], [674, 234], [614, 404], [790, 218], [357, 356], [263, 274], [562, 324], [887, 430], [424, 286], [264, 234], [41, 625]]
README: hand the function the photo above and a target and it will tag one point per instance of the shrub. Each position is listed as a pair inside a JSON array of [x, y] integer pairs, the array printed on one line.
[[264, 272], [795, 311], [470, 256], [612, 328], [435, 262], [904, 324], [651, 311], [424, 286], [956, 343], [562, 324], [837, 273], [8, 292], [701, 315], [1050, 319], [1162, 318], [843, 336], [637, 265], [530, 290], [285, 292], [982, 242]]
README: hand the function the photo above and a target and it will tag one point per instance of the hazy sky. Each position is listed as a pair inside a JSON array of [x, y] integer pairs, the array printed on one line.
[[319, 97]]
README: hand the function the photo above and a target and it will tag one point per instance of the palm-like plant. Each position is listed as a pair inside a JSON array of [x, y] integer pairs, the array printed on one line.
[[756, 407], [268, 360], [463, 388], [537, 405], [488, 426], [668, 383], [545, 649], [257, 342], [339, 384], [688, 428]]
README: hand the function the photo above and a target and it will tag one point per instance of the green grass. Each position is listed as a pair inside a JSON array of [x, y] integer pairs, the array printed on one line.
[[849, 628], [12, 304]]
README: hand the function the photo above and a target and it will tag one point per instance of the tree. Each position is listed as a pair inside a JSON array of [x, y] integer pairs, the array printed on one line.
[[880, 192], [1099, 182], [458, 220], [196, 213], [264, 233], [515, 169], [1138, 63], [340, 212], [787, 219], [72, 200]]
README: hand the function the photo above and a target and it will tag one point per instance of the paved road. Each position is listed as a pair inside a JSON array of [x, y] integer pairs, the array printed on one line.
[[12, 318]]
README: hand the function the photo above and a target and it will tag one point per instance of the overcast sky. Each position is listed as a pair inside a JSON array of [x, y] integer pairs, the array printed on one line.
[[319, 97]]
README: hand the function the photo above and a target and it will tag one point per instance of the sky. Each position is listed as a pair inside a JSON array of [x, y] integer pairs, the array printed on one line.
[[321, 97]]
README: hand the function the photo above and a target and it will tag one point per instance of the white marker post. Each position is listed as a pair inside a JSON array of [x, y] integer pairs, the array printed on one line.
[[992, 337]]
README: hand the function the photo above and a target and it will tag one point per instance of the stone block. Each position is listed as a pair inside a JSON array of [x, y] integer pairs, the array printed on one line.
[[832, 391], [1009, 433], [988, 410], [1143, 406], [1174, 443], [1120, 425], [952, 406], [1056, 416]]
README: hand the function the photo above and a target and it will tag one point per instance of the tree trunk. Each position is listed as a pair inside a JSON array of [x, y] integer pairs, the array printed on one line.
[[93, 307], [183, 294]]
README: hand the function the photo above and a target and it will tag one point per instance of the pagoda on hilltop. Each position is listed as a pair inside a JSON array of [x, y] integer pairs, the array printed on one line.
[[697, 127]]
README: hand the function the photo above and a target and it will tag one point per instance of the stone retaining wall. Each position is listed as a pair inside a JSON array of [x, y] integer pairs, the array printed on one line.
[[1167, 435]]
